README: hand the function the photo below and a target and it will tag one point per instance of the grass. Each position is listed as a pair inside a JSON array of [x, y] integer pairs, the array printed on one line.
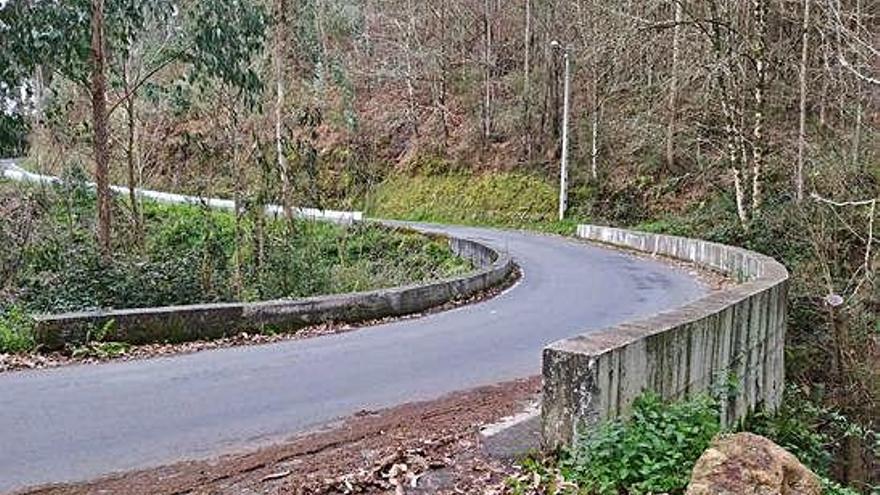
[[506, 199]]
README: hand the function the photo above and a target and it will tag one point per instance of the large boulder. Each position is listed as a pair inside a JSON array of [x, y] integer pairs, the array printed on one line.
[[748, 464]]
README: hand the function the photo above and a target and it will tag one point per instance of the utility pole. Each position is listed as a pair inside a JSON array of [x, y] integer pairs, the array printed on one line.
[[563, 168]]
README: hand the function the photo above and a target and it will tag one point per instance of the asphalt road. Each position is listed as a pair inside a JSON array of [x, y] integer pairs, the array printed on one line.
[[81, 422]]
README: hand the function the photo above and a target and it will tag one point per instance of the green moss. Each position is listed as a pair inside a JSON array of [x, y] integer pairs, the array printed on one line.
[[502, 199]]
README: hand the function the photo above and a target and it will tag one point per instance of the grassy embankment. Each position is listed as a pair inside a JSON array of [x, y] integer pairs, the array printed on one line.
[[186, 255]]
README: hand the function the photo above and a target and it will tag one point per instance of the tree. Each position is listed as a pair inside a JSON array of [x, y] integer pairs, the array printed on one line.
[[802, 114], [673, 84], [99, 123], [278, 63], [527, 86], [84, 41]]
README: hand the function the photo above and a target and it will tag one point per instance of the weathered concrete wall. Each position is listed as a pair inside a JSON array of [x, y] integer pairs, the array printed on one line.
[[735, 335], [203, 321]]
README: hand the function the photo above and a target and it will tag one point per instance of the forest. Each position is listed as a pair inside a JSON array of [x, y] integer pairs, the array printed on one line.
[[753, 123]]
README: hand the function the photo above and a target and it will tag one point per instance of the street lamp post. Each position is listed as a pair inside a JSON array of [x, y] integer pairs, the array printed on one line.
[[563, 167]]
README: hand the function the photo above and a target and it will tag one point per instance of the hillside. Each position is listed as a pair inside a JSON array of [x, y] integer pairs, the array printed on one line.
[[755, 124]]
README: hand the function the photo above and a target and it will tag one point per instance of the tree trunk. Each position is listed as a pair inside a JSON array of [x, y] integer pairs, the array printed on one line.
[[857, 132], [131, 153], [99, 123], [39, 115], [823, 96], [760, 10], [740, 198], [673, 87], [487, 62], [594, 131], [527, 117], [407, 55], [802, 123], [281, 159]]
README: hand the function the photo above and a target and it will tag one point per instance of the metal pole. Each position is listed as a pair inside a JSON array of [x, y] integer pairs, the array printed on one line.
[[563, 169]]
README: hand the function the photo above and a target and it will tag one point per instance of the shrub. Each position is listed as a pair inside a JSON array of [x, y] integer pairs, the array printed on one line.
[[194, 255], [16, 331], [653, 451]]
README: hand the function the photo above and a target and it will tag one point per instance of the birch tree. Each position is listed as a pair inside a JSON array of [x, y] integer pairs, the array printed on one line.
[[802, 115]]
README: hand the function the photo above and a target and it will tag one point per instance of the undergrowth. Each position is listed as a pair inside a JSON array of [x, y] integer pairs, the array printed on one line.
[[16, 330], [655, 449], [651, 452], [187, 255]]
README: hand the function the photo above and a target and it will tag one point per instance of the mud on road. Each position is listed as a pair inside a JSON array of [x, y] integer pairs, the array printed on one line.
[[419, 448]]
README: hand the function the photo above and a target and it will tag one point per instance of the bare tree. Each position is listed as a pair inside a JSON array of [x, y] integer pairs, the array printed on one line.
[[526, 96], [759, 11], [673, 85], [802, 121], [487, 69]]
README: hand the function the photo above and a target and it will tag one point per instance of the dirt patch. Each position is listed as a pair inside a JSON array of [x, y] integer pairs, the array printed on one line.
[[420, 448], [96, 354]]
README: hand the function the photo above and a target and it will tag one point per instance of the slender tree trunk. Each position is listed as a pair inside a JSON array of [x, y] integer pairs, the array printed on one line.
[[594, 145], [410, 87], [39, 114], [594, 129], [239, 195], [802, 122], [440, 78], [726, 86], [527, 116], [281, 158], [826, 64], [740, 198], [487, 61], [857, 131], [760, 10], [99, 123], [131, 153], [673, 87]]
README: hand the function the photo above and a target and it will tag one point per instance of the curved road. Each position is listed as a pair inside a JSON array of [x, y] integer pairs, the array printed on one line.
[[81, 422]]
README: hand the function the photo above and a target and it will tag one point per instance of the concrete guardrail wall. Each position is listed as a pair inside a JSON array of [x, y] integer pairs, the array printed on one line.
[[735, 335], [202, 321]]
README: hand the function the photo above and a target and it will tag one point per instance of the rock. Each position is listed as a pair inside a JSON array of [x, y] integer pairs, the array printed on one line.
[[748, 464]]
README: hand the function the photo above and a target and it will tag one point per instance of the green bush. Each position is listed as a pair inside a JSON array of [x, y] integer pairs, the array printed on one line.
[[653, 451], [16, 331], [191, 254]]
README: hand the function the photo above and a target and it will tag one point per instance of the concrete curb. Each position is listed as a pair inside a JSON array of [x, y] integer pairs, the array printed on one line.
[[206, 321]]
